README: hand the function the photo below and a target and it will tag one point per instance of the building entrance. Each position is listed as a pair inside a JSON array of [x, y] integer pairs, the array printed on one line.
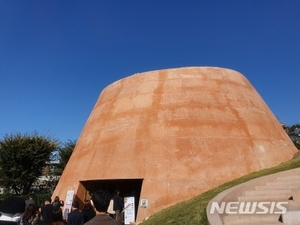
[[127, 187]]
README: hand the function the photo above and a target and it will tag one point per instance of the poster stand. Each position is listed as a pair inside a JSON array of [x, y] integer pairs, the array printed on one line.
[[129, 210], [68, 203]]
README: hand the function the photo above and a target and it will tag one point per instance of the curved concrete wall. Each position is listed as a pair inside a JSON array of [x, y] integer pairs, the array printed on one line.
[[183, 131]]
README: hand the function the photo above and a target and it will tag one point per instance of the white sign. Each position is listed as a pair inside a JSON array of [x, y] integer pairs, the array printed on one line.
[[129, 211], [68, 203]]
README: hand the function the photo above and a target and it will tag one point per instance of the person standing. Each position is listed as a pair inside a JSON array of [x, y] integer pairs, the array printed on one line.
[[75, 217], [30, 216], [57, 202], [88, 211], [118, 206], [110, 209], [30, 200], [46, 211], [100, 200], [57, 217]]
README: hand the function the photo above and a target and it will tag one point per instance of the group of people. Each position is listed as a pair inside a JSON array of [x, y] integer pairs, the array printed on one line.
[[49, 213], [96, 211]]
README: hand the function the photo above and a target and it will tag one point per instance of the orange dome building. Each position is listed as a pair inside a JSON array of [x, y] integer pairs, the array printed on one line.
[[165, 136]]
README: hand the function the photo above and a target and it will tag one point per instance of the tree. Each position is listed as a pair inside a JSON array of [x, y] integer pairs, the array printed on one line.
[[65, 153], [294, 137], [22, 159]]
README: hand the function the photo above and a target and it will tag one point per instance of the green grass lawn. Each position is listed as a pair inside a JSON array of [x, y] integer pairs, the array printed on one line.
[[193, 211]]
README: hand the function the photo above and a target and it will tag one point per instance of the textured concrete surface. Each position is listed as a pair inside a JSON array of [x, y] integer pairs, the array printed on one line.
[[183, 131]]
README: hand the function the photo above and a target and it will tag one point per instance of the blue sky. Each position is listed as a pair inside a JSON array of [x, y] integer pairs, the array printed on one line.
[[57, 56]]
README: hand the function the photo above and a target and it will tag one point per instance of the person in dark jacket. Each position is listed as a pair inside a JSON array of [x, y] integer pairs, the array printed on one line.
[[100, 200], [46, 212], [57, 217], [30, 200], [75, 217], [88, 211], [118, 206], [57, 202]]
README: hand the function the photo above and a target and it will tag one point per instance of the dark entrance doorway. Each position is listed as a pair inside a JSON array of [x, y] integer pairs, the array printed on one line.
[[127, 187]]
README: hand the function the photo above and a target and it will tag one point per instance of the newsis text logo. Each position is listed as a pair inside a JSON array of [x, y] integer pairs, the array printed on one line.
[[248, 208]]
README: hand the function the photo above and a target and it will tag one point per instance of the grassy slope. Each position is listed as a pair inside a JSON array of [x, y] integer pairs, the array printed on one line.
[[193, 211]]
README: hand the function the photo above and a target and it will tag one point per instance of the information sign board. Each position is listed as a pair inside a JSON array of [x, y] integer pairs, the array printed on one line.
[[129, 211]]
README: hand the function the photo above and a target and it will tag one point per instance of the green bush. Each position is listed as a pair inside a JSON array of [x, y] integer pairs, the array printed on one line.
[[40, 198]]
